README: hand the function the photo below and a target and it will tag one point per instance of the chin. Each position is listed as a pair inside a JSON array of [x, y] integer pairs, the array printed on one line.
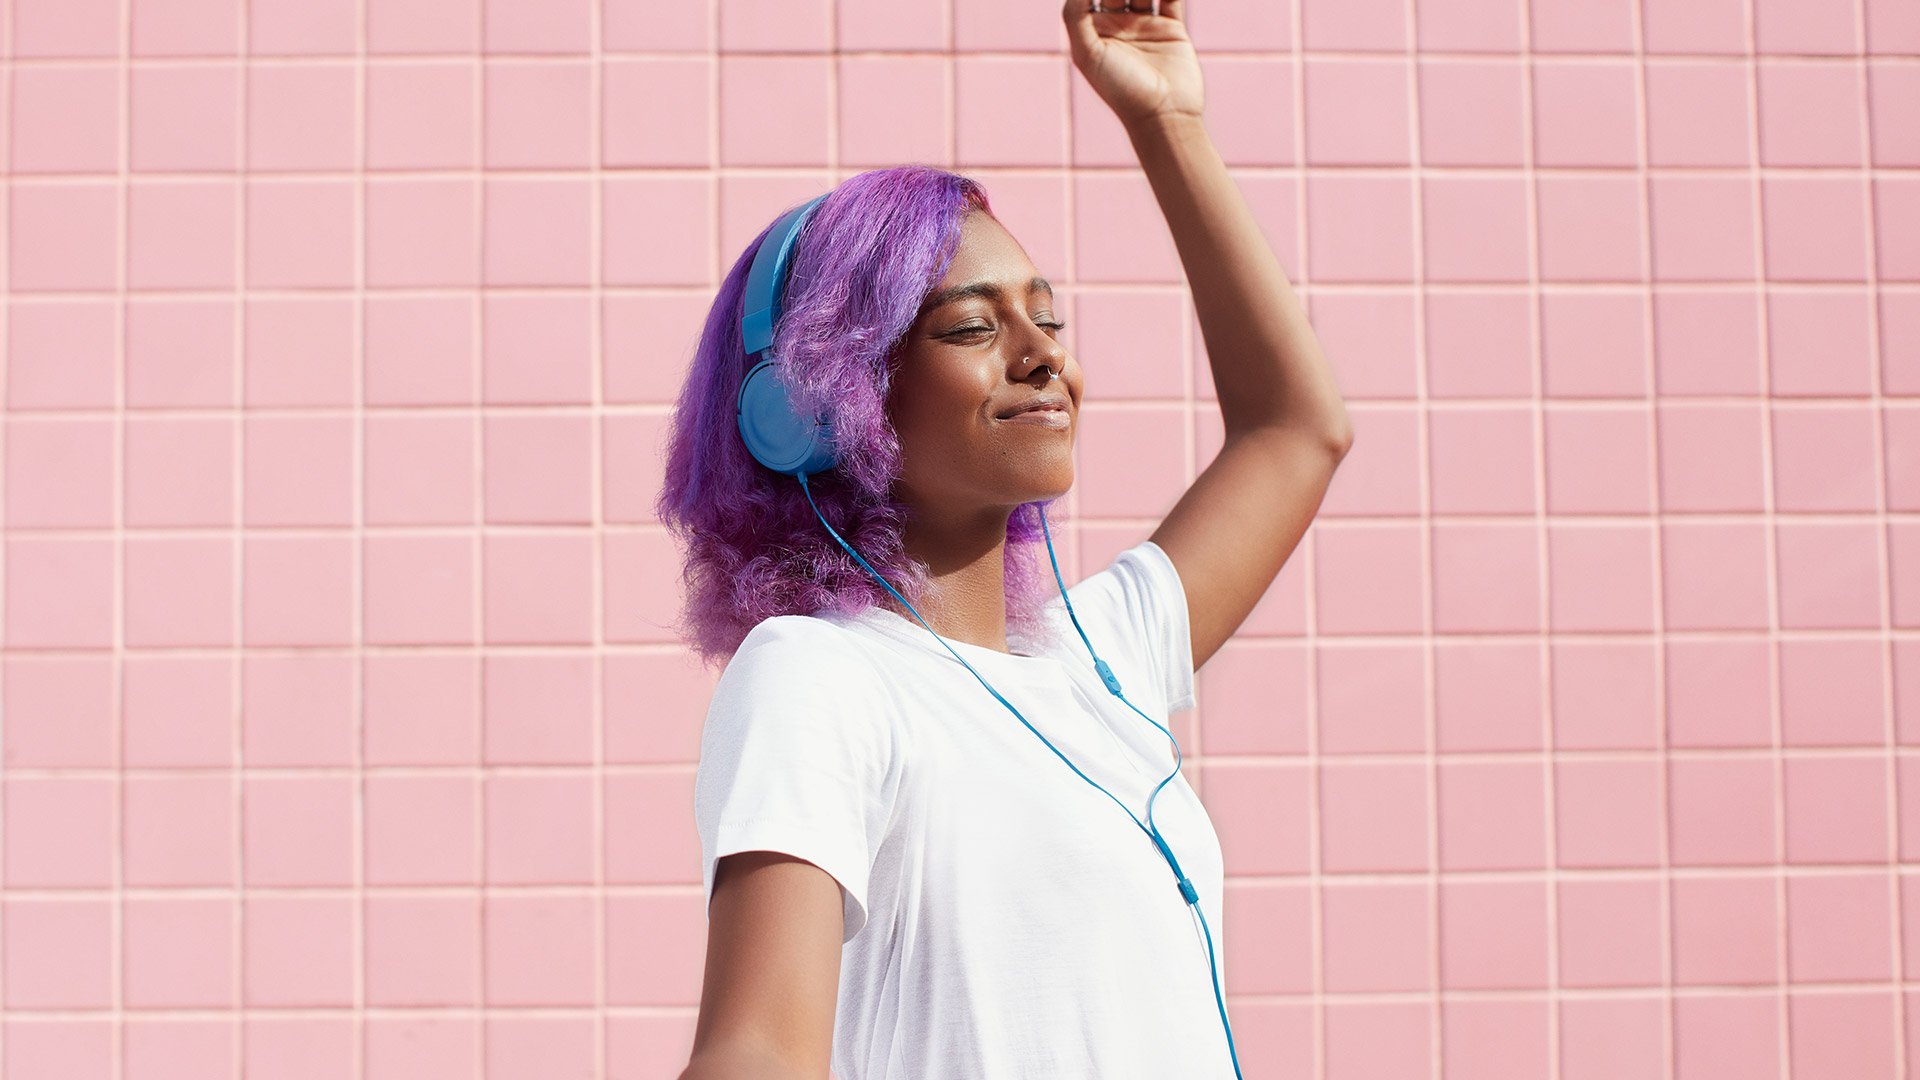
[[1054, 490]]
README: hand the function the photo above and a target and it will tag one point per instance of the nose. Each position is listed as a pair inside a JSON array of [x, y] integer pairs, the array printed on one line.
[[1045, 352]]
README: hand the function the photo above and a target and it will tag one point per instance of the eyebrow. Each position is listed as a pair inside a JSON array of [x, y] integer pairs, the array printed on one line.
[[986, 289]]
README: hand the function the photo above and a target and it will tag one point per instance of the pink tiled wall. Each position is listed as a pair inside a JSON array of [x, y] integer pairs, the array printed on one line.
[[344, 733]]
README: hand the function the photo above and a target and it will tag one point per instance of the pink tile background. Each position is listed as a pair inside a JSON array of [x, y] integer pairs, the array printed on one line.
[[343, 732]]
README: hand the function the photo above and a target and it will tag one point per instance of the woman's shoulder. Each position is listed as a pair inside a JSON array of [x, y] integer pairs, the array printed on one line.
[[797, 633], [810, 648], [811, 675]]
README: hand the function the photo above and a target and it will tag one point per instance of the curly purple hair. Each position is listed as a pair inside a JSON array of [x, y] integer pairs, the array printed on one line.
[[753, 546]]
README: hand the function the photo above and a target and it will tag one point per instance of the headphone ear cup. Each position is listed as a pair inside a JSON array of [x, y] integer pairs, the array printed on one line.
[[775, 434]]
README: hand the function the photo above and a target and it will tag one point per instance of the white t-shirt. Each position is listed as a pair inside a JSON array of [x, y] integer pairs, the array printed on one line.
[[1004, 919]]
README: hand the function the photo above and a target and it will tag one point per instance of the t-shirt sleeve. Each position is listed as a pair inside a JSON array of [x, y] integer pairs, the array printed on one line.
[[1156, 602], [798, 756]]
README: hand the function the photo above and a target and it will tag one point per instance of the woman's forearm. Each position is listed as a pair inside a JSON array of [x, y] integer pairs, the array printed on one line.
[[1268, 368], [743, 1064]]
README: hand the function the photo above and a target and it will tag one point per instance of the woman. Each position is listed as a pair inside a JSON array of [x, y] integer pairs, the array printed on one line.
[[902, 881]]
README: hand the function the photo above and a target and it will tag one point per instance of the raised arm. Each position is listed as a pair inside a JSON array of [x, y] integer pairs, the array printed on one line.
[[1286, 428]]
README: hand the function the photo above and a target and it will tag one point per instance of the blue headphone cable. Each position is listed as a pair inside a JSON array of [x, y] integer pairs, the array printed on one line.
[[1187, 891]]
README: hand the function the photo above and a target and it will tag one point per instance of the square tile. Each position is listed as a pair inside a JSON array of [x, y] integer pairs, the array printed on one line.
[[1714, 576], [1475, 229], [1703, 228], [1368, 579], [1483, 460], [1836, 810], [1817, 343], [1493, 934], [1371, 338], [1829, 693], [1357, 112], [1781, 26], [1581, 26], [1472, 26], [1815, 228], [636, 133], [1707, 341], [179, 953], [1619, 598], [1823, 458], [1599, 461], [1721, 811], [1486, 578], [1699, 113], [1695, 26], [1604, 695], [1809, 113], [420, 114], [1609, 815], [1479, 343], [1830, 575], [1376, 937], [1718, 692], [1594, 344], [1592, 228], [1488, 696], [1726, 930], [1709, 458], [1492, 814], [1839, 928], [1471, 112], [1585, 114], [1610, 932], [1373, 817], [1360, 228], [1370, 698]]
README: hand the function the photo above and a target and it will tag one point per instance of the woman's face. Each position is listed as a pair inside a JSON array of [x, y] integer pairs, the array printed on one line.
[[970, 357]]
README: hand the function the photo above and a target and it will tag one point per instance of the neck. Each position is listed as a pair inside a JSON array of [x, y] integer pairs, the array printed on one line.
[[965, 555]]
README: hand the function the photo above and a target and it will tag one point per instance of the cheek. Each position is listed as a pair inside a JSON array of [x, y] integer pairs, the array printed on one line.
[[934, 411], [933, 433]]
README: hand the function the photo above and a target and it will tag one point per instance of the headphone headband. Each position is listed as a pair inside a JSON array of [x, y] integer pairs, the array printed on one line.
[[767, 280]]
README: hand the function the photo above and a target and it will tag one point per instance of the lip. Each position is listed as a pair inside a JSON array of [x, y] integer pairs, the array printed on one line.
[[1043, 417], [1042, 403]]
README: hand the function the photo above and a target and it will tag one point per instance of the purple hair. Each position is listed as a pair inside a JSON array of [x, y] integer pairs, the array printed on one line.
[[753, 546]]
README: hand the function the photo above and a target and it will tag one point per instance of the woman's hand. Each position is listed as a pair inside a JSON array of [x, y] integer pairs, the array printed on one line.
[[1141, 64]]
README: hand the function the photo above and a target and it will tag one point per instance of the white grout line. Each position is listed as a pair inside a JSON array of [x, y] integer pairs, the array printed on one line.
[[1542, 533], [1782, 980], [1436, 997], [1316, 879], [477, 434], [357, 562], [1883, 541], [596, 449], [1656, 519]]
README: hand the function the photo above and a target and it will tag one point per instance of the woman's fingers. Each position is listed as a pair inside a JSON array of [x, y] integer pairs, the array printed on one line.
[[1118, 7], [1082, 38], [1169, 9]]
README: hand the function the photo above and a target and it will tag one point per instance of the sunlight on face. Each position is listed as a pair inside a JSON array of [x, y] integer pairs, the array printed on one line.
[[983, 344]]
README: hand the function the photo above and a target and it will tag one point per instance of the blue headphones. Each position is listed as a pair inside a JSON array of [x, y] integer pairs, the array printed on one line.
[[778, 437], [799, 446]]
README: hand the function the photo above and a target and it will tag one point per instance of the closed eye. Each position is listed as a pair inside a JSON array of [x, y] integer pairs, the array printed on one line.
[[959, 331]]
